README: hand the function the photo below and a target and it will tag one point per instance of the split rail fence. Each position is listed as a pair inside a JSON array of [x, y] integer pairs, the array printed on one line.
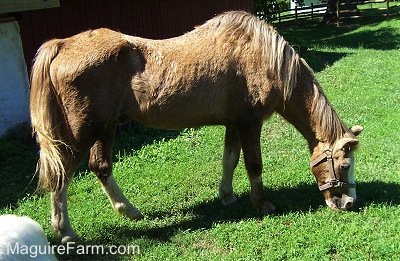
[[366, 9]]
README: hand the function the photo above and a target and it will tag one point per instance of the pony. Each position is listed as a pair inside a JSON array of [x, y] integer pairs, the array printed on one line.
[[234, 70], [22, 238]]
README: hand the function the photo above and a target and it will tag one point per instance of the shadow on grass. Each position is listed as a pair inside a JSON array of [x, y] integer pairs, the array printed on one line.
[[132, 136], [374, 38], [303, 198], [319, 60], [306, 40], [17, 168], [18, 159]]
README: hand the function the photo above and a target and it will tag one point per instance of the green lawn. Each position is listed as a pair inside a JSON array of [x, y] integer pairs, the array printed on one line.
[[173, 177]]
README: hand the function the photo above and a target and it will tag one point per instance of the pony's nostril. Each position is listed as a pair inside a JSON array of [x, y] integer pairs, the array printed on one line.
[[347, 202], [347, 205]]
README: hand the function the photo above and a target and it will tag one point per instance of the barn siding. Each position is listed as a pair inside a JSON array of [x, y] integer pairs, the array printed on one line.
[[155, 19]]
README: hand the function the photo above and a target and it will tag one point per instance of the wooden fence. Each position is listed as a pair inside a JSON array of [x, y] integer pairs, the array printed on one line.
[[387, 8]]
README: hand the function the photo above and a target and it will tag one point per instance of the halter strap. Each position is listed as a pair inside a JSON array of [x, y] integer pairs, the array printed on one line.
[[334, 182], [319, 159]]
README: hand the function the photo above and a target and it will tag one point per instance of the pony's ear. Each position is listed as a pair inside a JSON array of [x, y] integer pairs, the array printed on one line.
[[356, 129], [345, 143]]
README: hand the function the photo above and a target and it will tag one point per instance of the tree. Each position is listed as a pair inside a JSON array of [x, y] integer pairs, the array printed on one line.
[[269, 9]]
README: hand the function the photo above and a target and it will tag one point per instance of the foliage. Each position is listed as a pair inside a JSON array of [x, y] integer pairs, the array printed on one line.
[[172, 177], [269, 9]]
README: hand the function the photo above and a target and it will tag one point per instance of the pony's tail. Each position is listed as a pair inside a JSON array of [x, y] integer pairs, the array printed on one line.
[[47, 118]]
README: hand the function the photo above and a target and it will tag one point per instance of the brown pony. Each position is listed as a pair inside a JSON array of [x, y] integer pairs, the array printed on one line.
[[234, 70]]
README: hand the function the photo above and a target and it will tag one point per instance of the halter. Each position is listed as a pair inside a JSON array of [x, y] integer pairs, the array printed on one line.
[[334, 182]]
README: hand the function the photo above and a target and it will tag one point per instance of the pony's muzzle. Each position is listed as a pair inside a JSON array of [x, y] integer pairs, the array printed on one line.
[[343, 203], [347, 202]]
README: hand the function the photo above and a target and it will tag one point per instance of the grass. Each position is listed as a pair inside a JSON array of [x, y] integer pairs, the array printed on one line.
[[172, 177]]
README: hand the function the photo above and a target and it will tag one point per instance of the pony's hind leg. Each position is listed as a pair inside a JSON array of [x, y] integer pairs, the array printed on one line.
[[100, 162], [250, 140], [229, 163], [59, 215], [59, 206]]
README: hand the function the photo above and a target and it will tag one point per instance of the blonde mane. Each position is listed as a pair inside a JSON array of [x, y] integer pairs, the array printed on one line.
[[281, 59], [329, 127], [255, 34]]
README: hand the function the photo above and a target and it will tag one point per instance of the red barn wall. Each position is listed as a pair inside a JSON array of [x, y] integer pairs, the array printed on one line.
[[155, 19]]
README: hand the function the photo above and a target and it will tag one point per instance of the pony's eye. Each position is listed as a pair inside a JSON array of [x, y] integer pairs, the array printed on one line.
[[345, 166], [346, 149]]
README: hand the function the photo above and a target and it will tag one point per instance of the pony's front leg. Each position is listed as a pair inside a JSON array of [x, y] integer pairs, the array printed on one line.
[[59, 215], [229, 163], [100, 162], [250, 139]]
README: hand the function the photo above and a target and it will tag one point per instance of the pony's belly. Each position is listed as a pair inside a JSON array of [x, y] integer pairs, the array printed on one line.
[[178, 118]]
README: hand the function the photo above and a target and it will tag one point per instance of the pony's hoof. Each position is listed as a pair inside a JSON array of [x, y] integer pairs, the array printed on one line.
[[128, 210], [66, 235], [135, 215], [227, 200], [266, 209], [67, 239]]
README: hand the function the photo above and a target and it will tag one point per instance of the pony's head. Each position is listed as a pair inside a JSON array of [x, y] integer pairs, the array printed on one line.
[[333, 168]]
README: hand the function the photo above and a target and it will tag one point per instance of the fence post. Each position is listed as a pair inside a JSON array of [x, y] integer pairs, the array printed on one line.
[[295, 14], [387, 9], [337, 13], [312, 12]]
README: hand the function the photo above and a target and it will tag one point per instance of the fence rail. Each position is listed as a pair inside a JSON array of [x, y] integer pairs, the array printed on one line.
[[312, 12]]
